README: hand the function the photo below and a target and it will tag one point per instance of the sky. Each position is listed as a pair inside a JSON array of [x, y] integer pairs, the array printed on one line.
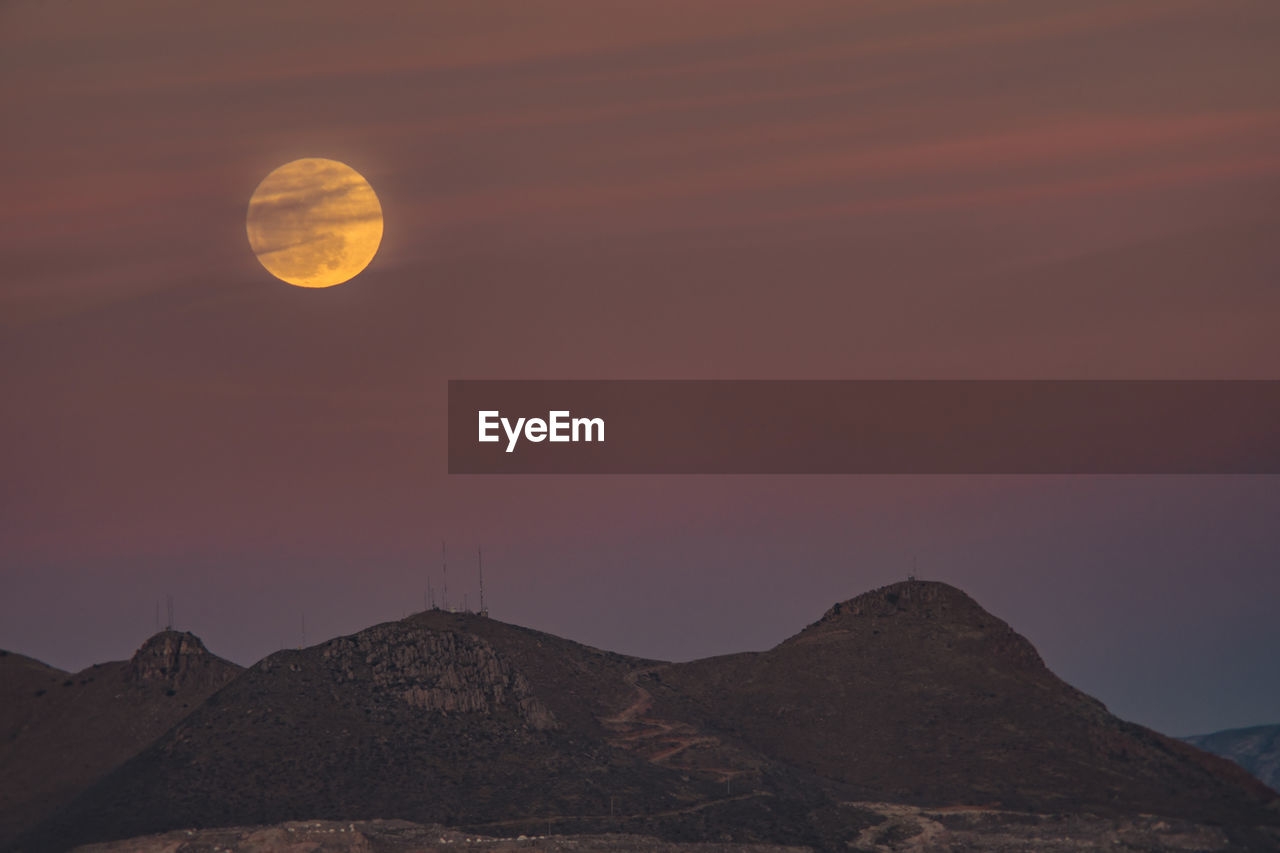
[[750, 189]]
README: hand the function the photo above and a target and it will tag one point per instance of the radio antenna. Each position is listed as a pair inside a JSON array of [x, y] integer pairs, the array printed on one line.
[[444, 567]]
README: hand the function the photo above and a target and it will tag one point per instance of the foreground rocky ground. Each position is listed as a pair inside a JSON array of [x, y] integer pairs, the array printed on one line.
[[910, 829], [900, 829], [396, 836]]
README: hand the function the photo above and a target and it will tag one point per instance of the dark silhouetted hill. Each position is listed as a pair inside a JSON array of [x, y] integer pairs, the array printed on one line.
[[910, 694], [913, 693], [60, 731], [443, 718]]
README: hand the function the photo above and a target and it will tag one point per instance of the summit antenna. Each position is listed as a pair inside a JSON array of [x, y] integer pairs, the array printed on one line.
[[444, 567], [480, 569]]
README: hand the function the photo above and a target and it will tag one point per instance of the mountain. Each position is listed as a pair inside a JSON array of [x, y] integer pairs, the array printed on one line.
[[1256, 749], [910, 694], [444, 718], [60, 731], [914, 693]]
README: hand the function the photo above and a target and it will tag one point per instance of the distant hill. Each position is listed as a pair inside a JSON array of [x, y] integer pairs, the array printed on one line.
[[60, 731], [908, 694], [1256, 749]]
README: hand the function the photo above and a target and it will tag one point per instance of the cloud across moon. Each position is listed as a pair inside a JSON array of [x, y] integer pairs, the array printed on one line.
[[314, 222]]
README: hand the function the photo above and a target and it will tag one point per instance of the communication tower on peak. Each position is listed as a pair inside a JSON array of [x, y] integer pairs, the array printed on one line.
[[444, 567]]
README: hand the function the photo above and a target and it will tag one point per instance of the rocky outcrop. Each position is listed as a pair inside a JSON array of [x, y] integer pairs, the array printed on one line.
[[175, 658], [62, 730], [436, 671]]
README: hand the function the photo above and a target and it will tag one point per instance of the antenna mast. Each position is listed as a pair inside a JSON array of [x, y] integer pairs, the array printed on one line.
[[444, 566], [168, 600], [480, 568]]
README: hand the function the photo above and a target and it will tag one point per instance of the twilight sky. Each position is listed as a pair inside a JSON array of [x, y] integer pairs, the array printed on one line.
[[744, 189]]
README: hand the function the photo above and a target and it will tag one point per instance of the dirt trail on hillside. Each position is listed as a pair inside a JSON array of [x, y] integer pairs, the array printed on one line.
[[660, 741]]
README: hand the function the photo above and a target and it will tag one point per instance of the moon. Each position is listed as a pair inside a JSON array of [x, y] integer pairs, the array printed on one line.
[[314, 222]]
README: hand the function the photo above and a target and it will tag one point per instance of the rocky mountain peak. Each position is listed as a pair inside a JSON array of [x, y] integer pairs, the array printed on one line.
[[171, 656], [926, 616], [927, 599], [453, 672]]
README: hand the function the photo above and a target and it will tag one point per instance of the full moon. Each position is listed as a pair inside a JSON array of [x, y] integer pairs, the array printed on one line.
[[314, 222]]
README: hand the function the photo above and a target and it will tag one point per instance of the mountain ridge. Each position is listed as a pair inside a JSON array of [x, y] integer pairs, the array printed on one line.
[[1255, 748], [911, 693], [63, 730]]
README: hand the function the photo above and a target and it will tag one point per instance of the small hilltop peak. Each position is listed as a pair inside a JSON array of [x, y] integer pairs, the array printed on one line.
[[174, 657], [931, 617], [910, 597]]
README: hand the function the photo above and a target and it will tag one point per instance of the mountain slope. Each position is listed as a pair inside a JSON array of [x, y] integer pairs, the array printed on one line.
[[1256, 749], [908, 694], [913, 693], [59, 731], [440, 718]]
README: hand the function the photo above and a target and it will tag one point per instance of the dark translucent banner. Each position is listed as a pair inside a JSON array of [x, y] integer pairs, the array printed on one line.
[[864, 427]]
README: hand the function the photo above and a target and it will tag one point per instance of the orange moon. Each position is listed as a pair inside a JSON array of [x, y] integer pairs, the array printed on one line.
[[314, 222]]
